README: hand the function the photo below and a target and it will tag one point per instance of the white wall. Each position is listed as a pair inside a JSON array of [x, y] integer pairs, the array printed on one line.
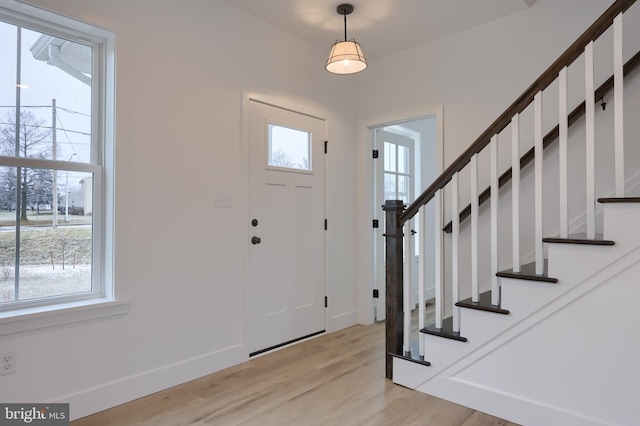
[[475, 75], [184, 71]]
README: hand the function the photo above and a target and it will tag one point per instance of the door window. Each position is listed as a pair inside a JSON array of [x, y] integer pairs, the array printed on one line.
[[289, 148]]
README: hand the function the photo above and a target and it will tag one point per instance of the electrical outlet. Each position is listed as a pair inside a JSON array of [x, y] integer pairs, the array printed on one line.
[[7, 363]]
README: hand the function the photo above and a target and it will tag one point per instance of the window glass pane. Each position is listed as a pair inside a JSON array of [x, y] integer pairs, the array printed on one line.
[[55, 247], [403, 159], [8, 70], [290, 148], [7, 259], [403, 188], [403, 184], [7, 195], [390, 186], [54, 111], [389, 157]]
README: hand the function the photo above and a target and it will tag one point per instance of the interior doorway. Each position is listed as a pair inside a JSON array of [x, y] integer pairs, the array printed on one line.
[[407, 159]]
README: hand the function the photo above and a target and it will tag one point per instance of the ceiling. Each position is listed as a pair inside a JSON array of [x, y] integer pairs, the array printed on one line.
[[380, 26]]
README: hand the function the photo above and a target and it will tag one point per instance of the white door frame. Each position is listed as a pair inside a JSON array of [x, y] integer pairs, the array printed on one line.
[[243, 198], [366, 234]]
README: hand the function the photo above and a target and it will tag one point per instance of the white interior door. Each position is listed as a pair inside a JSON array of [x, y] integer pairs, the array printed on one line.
[[286, 208], [395, 175]]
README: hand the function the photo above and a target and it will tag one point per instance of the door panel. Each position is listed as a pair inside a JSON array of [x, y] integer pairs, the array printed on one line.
[[286, 196]]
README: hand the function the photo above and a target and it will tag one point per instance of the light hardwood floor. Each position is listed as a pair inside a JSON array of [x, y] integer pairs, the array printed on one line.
[[334, 379]]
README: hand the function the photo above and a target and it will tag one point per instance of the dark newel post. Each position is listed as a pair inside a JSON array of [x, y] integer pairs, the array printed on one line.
[[393, 258]]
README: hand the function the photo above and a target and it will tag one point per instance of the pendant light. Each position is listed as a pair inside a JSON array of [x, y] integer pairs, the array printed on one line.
[[346, 56]]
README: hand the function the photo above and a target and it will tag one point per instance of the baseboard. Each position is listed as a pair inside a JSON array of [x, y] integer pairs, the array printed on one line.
[[344, 320], [92, 400], [506, 406]]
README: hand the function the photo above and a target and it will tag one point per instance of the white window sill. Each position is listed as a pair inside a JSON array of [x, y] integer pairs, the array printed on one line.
[[49, 316]]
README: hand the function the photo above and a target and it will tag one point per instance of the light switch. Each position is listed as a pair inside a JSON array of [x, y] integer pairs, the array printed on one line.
[[223, 199]]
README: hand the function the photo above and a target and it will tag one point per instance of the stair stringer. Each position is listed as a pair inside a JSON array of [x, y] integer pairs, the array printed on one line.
[[563, 364], [523, 297], [520, 297]]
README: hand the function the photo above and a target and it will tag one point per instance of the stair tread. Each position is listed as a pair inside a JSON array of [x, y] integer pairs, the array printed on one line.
[[446, 331], [528, 272], [619, 200], [413, 355], [580, 238], [483, 304]]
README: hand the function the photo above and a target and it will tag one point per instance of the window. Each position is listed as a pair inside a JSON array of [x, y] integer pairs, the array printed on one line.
[[397, 172], [56, 159], [289, 148]]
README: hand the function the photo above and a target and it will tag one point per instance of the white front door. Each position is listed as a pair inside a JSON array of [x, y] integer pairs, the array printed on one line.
[[286, 209]]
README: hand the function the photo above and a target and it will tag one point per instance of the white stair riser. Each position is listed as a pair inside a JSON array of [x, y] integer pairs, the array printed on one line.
[[410, 374], [620, 224], [441, 352], [522, 297], [482, 325], [573, 263]]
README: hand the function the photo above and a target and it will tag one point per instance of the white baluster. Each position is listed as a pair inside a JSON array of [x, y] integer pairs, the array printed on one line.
[[495, 280], [515, 190], [563, 121], [537, 135], [455, 232], [475, 292], [422, 275], [406, 288], [590, 140], [439, 283], [618, 78]]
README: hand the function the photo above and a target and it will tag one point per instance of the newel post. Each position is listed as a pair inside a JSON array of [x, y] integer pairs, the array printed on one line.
[[393, 276]]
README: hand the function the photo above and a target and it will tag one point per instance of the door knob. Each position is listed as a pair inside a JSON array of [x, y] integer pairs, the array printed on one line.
[[255, 240]]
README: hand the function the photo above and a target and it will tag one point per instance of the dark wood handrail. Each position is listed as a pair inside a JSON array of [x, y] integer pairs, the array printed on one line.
[[566, 59], [549, 138]]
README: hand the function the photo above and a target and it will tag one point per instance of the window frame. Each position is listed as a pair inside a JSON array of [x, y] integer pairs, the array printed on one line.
[[101, 300]]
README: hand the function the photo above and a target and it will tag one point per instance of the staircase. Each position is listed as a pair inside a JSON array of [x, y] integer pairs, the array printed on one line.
[[552, 339]]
